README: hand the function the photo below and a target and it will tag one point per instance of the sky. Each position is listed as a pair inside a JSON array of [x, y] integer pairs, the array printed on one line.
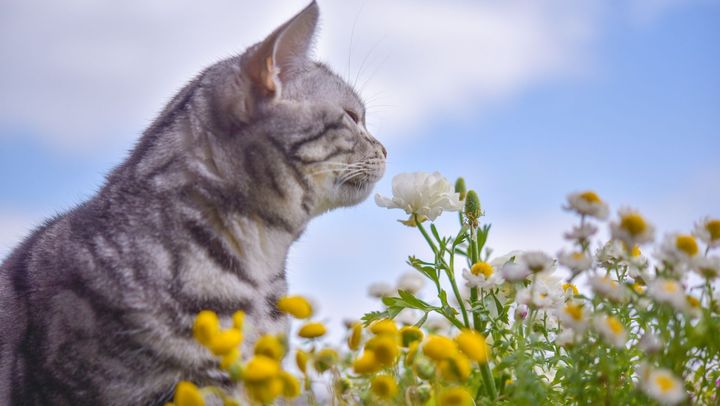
[[528, 100]]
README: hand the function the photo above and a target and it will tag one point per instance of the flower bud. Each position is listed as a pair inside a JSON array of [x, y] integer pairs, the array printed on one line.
[[460, 187], [472, 207]]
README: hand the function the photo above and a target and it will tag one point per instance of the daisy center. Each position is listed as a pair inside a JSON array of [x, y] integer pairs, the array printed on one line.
[[670, 287], [665, 383], [482, 268], [572, 287], [633, 223], [686, 244], [574, 311], [577, 256], [713, 227], [590, 197], [615, 325], [693, 301], [635, 252]]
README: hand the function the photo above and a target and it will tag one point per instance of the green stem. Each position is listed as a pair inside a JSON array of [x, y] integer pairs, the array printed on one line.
[[451, 277], [473, 248], [488, 380], [425, 234]]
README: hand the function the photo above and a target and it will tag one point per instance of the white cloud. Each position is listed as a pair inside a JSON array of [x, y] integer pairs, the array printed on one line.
[[79, 72]]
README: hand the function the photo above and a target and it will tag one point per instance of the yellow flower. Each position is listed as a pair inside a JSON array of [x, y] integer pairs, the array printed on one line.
[[385, 348], [291, 385], [312, 330], [439, 348], [590, 197], [456, 368], [206, 326], [223, 342], [367, 363], [229, 358], [410, 334], [301, 359], [265, 391], [355, 337], [482, 268], [238, 319], [325, 359], [297, 306], [687, 244], [455, 397], [571, 287], [260, 368], [385, 326], [473, 344], [270, 346], [412, 353], [633, 223], [384, 386], [187, 394]]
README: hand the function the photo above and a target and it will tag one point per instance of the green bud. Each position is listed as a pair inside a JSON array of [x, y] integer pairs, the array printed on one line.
[[424, 369], [472, 207], [343, 385], [460, 187], [422, 394]]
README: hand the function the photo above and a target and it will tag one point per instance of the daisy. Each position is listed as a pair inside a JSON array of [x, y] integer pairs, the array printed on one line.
[[380, 290], [708, 231], [668, 291], [411, 282], [581, 233], [423, 194], [662, 385], [707, 267], [573, 315], [610, 253], [587, 203], [632, 228], [575, 261], [678, 250], [611, 330], [608, 288], [650, 343], [537, 261], [566, 338], [482, 275], [545, 292]]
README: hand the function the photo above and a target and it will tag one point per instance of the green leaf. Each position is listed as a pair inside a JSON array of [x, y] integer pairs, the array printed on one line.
[[435, 233]]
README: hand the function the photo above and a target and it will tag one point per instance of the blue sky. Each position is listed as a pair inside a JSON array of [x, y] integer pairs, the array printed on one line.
[[553, 97]]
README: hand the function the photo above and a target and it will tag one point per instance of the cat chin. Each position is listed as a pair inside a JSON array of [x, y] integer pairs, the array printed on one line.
[[352, 193]]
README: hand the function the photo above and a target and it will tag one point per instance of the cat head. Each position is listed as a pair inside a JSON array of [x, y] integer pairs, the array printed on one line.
[[284, 125]]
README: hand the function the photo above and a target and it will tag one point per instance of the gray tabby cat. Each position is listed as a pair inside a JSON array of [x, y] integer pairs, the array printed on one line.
[[96, 306]]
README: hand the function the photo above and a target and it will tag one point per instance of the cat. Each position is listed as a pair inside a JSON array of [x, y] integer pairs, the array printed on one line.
[[97, 305]]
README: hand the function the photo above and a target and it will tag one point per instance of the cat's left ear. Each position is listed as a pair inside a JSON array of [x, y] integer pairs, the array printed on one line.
[[283, 52]]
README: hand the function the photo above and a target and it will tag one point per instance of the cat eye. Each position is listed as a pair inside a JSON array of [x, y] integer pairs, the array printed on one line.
[[353, 115]]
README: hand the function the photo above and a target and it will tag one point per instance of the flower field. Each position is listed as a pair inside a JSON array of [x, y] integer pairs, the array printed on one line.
[[643, 327]]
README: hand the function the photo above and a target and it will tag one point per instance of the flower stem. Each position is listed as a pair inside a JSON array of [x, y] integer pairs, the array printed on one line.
[[426, 235], [488, 380]]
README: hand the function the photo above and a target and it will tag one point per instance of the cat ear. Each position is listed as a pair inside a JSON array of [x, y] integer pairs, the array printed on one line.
[[283, 52]]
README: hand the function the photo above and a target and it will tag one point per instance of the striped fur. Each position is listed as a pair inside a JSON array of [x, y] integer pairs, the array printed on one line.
[[97, 304]]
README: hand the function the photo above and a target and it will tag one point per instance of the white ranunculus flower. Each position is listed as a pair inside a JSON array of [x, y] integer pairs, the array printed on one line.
[[421, 193]]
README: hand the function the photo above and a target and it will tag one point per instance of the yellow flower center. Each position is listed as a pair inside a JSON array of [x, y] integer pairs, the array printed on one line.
[[455, 397], [574, 311], [635, 252], [482, 268], [572, 287], [665, 383], [384, 326], [713, 227], [615, 326], [693, 301], [670, 286], [633, 223], [577, 256], [385, 348], [590, 197], [384, 386], [687, 244], [638, 288]]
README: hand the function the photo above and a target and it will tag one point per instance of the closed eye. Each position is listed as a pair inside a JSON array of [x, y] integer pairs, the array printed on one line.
[[353, 115]]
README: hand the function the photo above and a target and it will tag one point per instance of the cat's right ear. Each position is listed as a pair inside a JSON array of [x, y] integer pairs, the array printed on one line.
[[283, 53]]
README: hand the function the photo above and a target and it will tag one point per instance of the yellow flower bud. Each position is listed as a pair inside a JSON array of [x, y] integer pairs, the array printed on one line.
[[385, 326], [312, 330], [455, 397], [367, 363], [206, 326], [238, 319], [187, 394], [439, 348], [265, 391], [456, 368], [384, 386], [410, 334], [385, 348], [473, 344], [224, 341], [355, 337], [301, 359], [260, 368], [291, 385], [230, 358], [412, 353], [296, 306], [325, 359], [270, 346]]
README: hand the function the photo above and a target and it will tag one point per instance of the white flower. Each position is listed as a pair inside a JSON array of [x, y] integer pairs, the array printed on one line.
[[678, 250], [437, 324], [482, 275], [411, 281], [632, 228], [422, 194], [610, 253], [407, 317], [611, 330], [650, 343], [608, 288], [514, 272], [510, 257], [581, 233], [380, 290], [708, 231], [565, 338], [707, 267], [575, 261], [537, 261], [668, 291], [587, 203], [573, 315], [544, 292], [662, 385]]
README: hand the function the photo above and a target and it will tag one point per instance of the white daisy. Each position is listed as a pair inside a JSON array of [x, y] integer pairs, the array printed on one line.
[[587, 203], [410, 281], [632, 228], [581, 233], [610, 253], [407, 317], [575, 261], [707, 267], [611, 330], [662, 385], [609, 288], [545, 292], [380, 290], [668, 291], [678, 251], [422, 194], [537, 261], [650, 343], [572, 314], [482, 275], [566, 338], [708, 231], [514, 272]]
